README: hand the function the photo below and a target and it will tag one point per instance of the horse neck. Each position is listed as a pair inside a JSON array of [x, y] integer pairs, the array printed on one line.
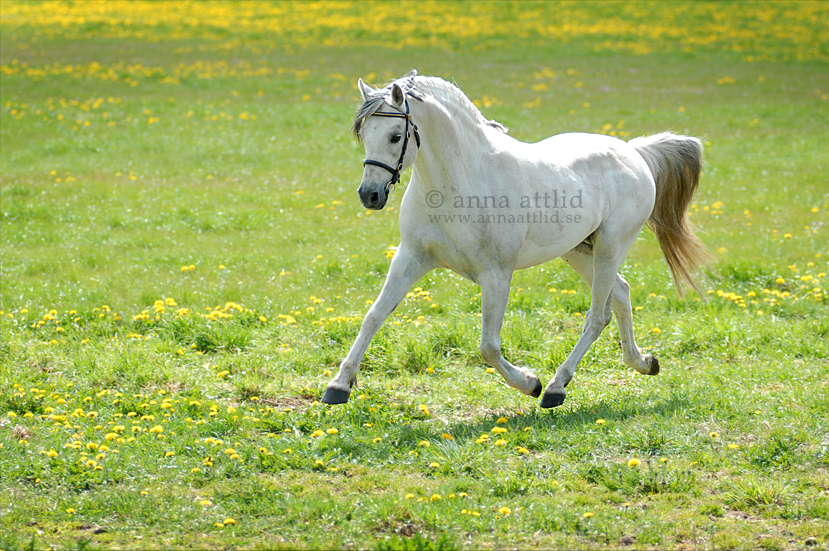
[[452, 140]]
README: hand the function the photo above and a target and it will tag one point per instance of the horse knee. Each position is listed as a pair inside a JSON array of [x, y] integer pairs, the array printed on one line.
[[491, 352], [372, 321]]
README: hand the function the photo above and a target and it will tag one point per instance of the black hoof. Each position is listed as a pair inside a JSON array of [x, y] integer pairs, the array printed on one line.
[[335, 396], [552, 400], [537, 390], [654, 367]]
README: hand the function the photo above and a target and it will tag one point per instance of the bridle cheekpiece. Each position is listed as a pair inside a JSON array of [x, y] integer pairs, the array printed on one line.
[[395, 172]]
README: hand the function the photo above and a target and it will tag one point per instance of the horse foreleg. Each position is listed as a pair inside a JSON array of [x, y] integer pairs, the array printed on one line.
[[406, 268], [494, 297]]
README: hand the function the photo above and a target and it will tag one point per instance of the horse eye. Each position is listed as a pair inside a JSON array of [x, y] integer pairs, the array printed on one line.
[[395, 138]]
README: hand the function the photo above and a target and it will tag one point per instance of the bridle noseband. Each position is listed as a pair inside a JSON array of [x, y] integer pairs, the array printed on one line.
[[395, 172]]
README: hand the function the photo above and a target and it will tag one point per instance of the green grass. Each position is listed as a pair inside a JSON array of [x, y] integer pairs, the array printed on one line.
[[182, 276]]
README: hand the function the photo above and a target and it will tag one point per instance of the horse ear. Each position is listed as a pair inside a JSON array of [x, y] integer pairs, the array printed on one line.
[[397, 95], [365, 90]]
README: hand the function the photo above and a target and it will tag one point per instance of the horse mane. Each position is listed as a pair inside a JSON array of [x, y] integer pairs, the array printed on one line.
[[416, 87]]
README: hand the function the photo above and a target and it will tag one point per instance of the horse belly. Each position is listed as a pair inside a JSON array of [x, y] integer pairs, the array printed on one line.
[[564, 212], [546, 241]]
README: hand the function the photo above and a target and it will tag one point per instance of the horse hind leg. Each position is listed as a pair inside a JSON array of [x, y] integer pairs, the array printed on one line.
[[494, 298], [645, 364], [581, 260], [609, 250], [597, 318]]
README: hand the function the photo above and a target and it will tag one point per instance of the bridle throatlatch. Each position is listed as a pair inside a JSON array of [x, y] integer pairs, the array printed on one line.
[[395, 172]]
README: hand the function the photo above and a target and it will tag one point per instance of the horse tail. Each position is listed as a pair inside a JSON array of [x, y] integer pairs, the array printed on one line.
[[675, 162]]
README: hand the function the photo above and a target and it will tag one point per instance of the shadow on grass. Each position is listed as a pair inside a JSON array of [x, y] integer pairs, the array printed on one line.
[[573, 417]]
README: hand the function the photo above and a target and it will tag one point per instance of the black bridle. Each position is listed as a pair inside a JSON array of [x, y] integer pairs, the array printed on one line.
[[395, 172]]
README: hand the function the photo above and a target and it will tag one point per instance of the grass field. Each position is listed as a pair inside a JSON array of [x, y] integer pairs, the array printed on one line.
[[185, 261]]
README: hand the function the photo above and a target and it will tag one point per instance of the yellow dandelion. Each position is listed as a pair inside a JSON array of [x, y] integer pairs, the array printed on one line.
[[317, 433], [633, 463], [504, 511], [229, 521], [332, 431]]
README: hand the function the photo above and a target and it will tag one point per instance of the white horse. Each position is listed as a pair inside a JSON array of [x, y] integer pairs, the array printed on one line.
[[484, 205]]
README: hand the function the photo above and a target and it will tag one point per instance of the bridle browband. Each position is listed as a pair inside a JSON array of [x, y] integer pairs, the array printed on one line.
[[395, 172]]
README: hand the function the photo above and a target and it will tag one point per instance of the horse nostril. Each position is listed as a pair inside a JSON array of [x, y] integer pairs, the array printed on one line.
[[374, 197]]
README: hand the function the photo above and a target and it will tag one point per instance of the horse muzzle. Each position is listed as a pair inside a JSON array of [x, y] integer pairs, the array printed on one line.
[[373, 196]]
